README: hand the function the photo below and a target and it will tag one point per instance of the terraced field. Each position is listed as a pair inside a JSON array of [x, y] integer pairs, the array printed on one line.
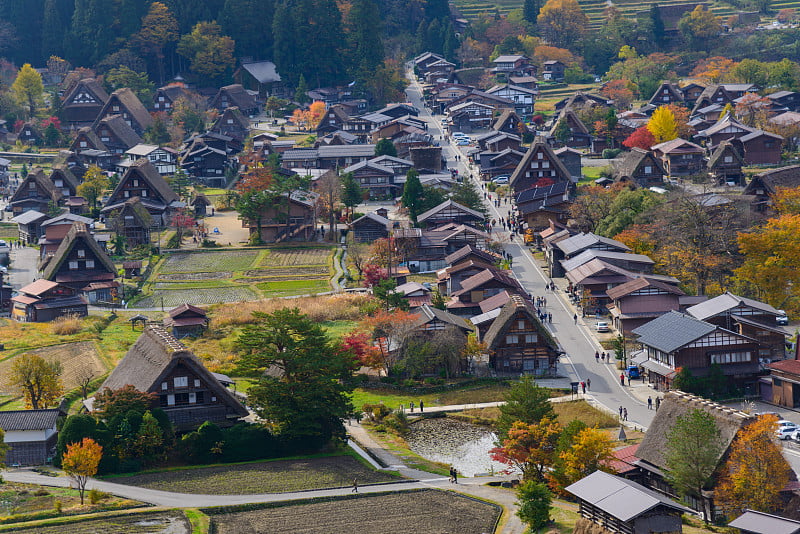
[[198, 296], [193, 262], [75, 358], [593, 9]]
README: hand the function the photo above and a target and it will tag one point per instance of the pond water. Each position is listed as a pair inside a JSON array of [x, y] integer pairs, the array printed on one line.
[[462, 445]]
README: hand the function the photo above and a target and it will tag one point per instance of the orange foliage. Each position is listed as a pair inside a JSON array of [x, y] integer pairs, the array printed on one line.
[[308, 119], [714, 69], [257, 179], [619, 91], [681, 114], [639, 238], [755, 471], [529, 447], [552, 53]]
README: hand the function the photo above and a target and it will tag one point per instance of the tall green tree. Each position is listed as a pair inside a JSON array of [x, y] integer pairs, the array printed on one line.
[[210, 53], [526, 402], [237, 20], [304, 397], [657, 24], [366, 38], [412, 194], [693, 450], [530, 11], [159, 28], [138, 82], [466, 193], [534, 499], [352, 195]]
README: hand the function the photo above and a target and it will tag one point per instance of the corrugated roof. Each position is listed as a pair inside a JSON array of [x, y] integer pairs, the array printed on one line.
[[263, 71], [29, 419], [621, 498], [590, 254], [726, 302], [761, 523], [672, 331], [583, 241]]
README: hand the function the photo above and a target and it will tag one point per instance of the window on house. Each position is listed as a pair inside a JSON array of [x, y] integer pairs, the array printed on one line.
[[197, 382], [73, 266], [164, 386], [82, 144], [531, 338], [81, 253], [32, 185], [540, 155], [512, 340], [135, 183], [170, 400], [521, 325], [728, 159], [115, 108], [181, 381], [192, 398], [160, 98], [126, 194], [90, 264], [144, 193], [648, 169]]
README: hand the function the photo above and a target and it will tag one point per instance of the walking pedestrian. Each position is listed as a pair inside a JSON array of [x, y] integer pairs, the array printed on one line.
[[575, 318], [451, 474], [549, 317], [658, 403], [649, 403], [624, 414], [621, 379], [583, 387], [421, 407], [455, 476], [355, 486], [588, 383], [603, 357], [620, 412], [411, 405], [596, 356]]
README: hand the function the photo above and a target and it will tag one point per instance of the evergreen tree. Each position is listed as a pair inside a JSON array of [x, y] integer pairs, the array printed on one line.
[[56, 15], [412, 194], [449, 42], [352, 195], [324, 50], [657, 24], [433, 39], [420, 38], [237, 20], [300, 95], [385, 147], [284, 44], [366, 42], [530, 11]]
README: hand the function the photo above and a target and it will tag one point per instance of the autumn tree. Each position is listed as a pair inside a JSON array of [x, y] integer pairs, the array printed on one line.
[[662, 125], [693, 450], [618, 91], [641, 137], [755, 472], [182, 224], [111, 403], [210, 53], [38, 380], [529, 448], [329, 186], [138, 82], [359, 343], [714, 69], [80, 462], [28, 88], [753, 110], [525, 402], [390, 327], [593, 204], [159, 28], [95, 182], [699, 25], [592, 450], [645, 73], [562, 22], [681, 115]]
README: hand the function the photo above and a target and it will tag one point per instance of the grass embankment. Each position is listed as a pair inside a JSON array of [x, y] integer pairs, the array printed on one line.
[[273, 476], [393, 398]]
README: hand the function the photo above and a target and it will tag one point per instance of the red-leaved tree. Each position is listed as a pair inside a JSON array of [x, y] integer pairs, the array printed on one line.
[[640, 138], [374, 274]]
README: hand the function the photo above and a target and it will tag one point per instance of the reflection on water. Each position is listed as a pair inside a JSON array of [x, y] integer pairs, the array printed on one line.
[[453, 442]]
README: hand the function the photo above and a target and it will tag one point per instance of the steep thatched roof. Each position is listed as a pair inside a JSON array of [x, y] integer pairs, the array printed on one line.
[[677, 404], [78, 234], [131, 103], [152, 357], [38, 176], [725, 147], [503, 322]]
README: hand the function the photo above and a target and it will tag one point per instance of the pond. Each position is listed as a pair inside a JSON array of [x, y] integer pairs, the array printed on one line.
[[462, 445]]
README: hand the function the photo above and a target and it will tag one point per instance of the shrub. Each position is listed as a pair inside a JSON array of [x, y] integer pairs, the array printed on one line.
[[58, 505], [611, 153], [208, 243], [66, 325], [376, 412], [409, 383], [95, 495], [41, 492], [397, 421]]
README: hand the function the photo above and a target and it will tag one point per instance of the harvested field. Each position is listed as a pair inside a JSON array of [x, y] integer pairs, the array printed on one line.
[[319, 270], [188, 277], [428, 511], [224, 260], [282, 257], [75, 358], [155, 523], [198, 296], [261, 477]]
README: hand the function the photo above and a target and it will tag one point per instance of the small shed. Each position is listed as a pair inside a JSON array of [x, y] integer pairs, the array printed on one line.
[[187, 320], [200, 203], [621, 505], [31, 434], [132, 268]]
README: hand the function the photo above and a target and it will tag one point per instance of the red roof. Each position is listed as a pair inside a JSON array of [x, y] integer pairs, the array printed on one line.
[[415, 302], [183, 308], [38, 287], [185, 321], [23, 299], [787, 366], [624, 459]]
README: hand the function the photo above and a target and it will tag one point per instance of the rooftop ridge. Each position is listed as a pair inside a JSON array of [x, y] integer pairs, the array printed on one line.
[[166, 339], [693, 399]]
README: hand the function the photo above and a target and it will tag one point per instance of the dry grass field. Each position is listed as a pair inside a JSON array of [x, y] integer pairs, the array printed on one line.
[[76, 359]]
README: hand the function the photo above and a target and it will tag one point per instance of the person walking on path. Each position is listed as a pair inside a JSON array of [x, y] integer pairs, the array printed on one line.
[[596, 356], [588, 383], [621, 379], [421, 407], [649, 403], [355, 486], [451, 474], [455, 476], [411, 405], [583, 386], [658, 402], [624, 414], [575, 318], [620, 412]]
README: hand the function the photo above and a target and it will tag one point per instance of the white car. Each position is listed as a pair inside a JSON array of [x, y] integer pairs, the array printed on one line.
[[782, 319], [602, 326], [786, 429]]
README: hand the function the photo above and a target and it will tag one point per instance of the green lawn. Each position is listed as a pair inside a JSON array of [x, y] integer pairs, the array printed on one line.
[[275, 476], [293, 287], [393, 399]]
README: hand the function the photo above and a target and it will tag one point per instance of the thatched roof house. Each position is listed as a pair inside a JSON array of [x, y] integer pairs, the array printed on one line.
[[189, 394]]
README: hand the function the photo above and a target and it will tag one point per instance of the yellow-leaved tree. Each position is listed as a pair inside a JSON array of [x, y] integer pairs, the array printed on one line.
[[591, 450], [755, 471], [38, 380], [663, 125], [28, 88], [80, 462]]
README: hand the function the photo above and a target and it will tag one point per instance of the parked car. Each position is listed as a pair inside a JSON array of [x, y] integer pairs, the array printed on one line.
[[782, 319], [602, 326], [462, 142], [786, 430], [501, 180]]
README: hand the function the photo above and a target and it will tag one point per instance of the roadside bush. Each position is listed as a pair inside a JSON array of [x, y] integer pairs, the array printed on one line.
[[611, 153], [240, 443], [208, 243], [375, 412], [66, 325], [396, 421], [95, 495]]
